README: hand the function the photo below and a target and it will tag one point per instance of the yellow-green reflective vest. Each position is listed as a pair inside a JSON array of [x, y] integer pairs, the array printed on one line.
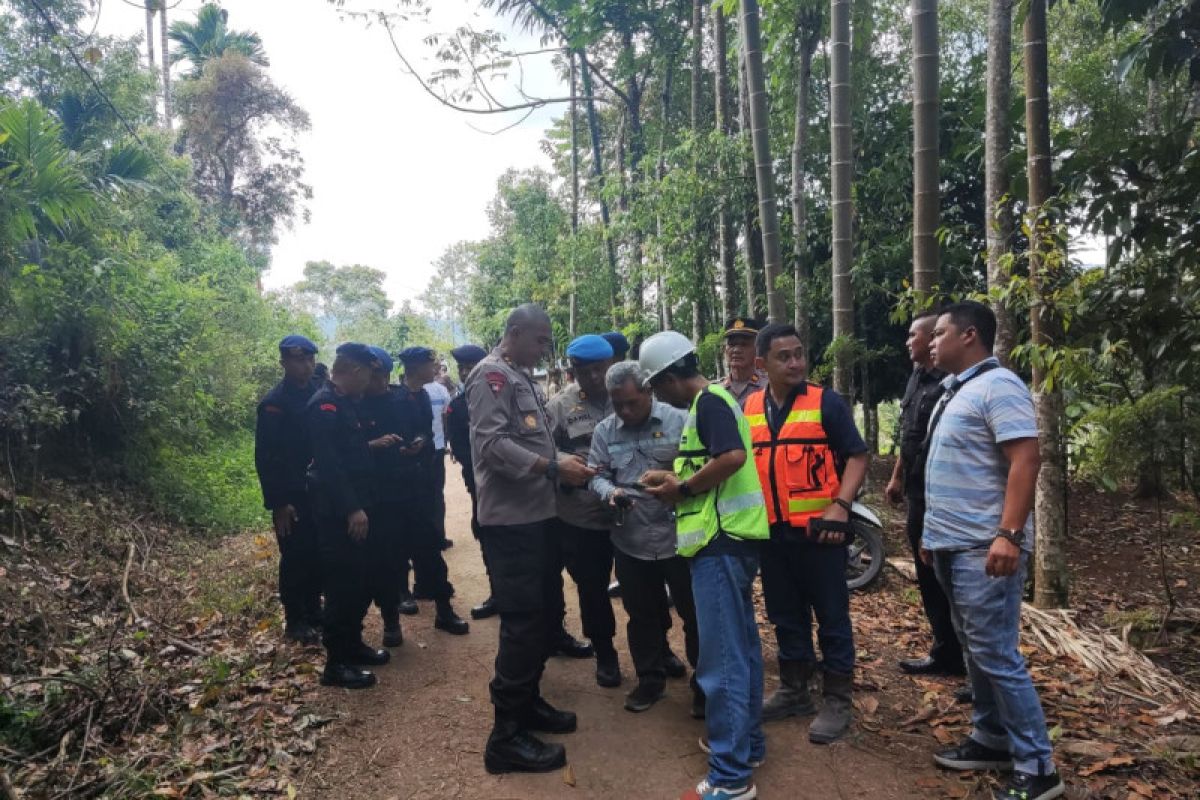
[[736, 506]]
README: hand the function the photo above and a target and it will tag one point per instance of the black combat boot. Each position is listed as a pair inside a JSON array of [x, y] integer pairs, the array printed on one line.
[[408, 604], [608, 667], [567, 645], [393, 634], [792, 698], [300, 632], [347, 677], [511, 749], [836, 712], [447, 620], [545, 718], [365, 655], [485, 609]]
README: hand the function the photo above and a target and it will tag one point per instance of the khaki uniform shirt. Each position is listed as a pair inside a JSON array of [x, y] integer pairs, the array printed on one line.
[[573, 419], [509, 431], [743, 389]]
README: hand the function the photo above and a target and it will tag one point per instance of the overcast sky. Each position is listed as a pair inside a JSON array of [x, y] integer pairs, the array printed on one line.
[[396, 176]]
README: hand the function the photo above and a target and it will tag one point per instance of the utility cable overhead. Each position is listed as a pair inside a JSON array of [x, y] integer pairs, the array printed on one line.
[[104, 95]]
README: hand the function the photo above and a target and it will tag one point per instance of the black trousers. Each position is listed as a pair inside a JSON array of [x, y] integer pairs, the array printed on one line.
[[300, 566], [643, 592], [525, 576], [946, 649], [421, 545], [386, 553], [346, 574], [587, 555], [439, 492]]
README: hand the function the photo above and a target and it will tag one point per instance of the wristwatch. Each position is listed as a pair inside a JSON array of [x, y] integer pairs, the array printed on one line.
[[1014, 535], [552, 470], [685, 490]]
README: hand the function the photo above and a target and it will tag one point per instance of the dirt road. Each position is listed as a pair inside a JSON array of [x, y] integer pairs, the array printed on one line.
[[420, 733]]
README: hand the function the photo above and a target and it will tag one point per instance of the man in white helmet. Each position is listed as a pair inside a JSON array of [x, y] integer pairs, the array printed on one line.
[[721, 519]]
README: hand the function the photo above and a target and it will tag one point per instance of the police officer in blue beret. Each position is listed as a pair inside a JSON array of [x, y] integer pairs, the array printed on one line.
[[620, 345], [341, 488], [458, 437], [281, 457], [583, 519]]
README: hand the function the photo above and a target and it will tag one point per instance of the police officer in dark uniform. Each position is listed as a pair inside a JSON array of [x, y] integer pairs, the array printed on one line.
[[281, 457], [341, 489], [907, 485], [458, 437], [744, 378], [516, 471], [619, 344]]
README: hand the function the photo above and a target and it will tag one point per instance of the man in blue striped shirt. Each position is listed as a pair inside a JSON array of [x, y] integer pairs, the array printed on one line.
[[980, 476]]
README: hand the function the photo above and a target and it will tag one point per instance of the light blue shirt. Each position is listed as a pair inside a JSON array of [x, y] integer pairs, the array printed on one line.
[[966, 474]]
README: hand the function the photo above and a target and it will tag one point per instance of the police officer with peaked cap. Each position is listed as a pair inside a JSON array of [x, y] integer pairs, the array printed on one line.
[[517, 468], [341, 488], [744, 378], [583, 518], [281, 457], [458, 437]]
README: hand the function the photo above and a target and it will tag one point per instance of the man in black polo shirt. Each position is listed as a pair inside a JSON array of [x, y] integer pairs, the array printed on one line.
[[908, 486]]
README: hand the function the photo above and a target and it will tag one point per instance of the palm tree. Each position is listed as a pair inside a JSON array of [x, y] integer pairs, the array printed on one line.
[[209, 37], [925, 145], [841, 166], [756, 87], [996, 150]]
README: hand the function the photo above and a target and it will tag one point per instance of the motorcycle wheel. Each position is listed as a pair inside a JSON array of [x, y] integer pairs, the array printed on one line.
[[866, 555]]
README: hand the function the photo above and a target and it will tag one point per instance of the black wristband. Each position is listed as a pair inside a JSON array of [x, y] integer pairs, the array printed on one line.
[[839, 501], [685, 490]]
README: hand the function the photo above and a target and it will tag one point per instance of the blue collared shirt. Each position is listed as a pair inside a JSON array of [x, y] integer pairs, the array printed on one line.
[[966, 474]]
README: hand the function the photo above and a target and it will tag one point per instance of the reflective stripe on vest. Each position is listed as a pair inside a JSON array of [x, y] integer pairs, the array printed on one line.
[[797, 469], [734, 507]]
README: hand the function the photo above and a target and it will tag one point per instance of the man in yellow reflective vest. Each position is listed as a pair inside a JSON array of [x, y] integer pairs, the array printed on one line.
[[720, 523], [811, 461]]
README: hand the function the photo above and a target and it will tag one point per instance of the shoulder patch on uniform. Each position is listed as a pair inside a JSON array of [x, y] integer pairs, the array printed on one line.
[[273, 409], [328, 407], [497, 381]]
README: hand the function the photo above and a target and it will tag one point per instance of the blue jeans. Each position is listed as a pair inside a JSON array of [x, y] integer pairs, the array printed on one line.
[[801, 579], [987, 618], [730, 669]]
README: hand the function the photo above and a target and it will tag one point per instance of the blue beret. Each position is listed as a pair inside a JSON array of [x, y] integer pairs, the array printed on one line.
[[385, 360], [416, 355], [297, 345], [356, 352], [620, 344], [589, 347], [469, 354]]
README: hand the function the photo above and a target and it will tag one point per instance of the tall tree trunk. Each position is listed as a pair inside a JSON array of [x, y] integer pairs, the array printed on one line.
[[701, 257], [751, 234], [996, 180], [764, 176], [1050, 570], [571, 325], [841, 166], [610, 250], [808, 33], [151, 61], [726, 237], [637, 149], [926, 197], [660, 172], [166, 63]]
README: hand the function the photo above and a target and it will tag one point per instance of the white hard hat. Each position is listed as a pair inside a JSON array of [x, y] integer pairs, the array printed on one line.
[[661, 351]]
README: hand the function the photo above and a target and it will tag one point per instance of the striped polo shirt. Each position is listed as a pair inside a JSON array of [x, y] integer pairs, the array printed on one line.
[[966, 473]]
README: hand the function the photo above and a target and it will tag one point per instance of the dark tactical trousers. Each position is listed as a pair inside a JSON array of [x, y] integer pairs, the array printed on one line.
[[587, 555], [300, 566], [946, 649], [525, 575], [421, 545], [346, 575], [384, 553], [643, 592]]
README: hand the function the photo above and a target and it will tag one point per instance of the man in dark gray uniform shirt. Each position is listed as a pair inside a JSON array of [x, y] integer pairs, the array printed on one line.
[[516, 471]]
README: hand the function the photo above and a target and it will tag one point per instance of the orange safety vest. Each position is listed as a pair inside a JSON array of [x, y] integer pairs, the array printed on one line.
[[795, 466]]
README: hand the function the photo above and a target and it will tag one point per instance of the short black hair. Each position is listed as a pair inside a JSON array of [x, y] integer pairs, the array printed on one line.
[[972, 314], [929, 313], [776, 330], [684, 368]]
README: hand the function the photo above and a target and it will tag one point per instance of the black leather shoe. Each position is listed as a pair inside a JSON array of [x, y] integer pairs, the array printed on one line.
[[545, 718], [674, 667], [929, 666], [301, 633], [567, 645], [614, 589], [369, 656], [522, 752], [608, 671], [644, 696], [971, 755], [450, 622], [964, 694], [393, 635], [347, 677], [408, 605], [485, 609]]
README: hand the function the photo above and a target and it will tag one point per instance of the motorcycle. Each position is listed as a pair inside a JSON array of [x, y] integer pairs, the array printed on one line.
[[866, 554]]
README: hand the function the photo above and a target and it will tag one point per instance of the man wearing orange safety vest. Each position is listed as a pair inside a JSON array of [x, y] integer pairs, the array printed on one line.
[[811, 461]]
